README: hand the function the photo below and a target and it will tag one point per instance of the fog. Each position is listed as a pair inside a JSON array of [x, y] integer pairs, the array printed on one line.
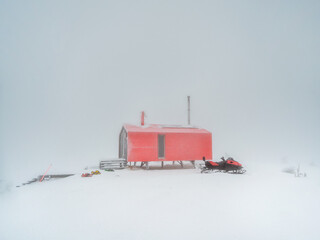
[[73, 72]]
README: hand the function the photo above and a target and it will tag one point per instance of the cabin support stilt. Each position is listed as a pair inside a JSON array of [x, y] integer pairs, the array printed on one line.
[[193, 164], [181, 163]]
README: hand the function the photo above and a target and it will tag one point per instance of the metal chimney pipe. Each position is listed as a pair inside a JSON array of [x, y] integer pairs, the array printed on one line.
[[142, 118], [188, 110]]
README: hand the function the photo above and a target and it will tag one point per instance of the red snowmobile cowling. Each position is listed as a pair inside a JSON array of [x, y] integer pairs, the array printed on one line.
[[213, 163], [234, 163]]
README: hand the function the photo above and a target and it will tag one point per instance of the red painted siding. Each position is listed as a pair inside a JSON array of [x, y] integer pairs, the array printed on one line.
[[143, 146]]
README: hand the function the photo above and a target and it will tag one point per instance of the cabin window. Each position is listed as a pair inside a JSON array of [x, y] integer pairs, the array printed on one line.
[[161, 141]]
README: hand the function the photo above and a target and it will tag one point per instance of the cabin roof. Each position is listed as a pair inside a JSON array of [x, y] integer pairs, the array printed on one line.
[[159, 128]]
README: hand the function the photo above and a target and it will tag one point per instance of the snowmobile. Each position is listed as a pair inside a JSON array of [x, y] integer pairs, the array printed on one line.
[[228, 166]]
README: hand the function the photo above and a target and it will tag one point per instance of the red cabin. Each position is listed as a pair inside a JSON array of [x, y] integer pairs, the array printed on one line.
[[164, 143]]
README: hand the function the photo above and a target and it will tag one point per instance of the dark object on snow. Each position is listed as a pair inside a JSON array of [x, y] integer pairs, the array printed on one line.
[[46, 178], [86, 175], [290, 170], [109, 170], [229, 165]]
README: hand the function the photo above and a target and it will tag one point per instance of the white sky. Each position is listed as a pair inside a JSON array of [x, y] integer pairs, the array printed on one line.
[[72, 72]]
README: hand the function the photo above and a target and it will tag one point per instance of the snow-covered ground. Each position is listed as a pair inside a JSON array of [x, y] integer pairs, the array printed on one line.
[[264, 203]]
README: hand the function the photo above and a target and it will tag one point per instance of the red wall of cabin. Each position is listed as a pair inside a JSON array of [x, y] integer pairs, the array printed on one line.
[[143, 146]]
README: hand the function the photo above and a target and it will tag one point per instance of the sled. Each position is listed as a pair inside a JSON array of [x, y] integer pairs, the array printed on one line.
[[86, 175]]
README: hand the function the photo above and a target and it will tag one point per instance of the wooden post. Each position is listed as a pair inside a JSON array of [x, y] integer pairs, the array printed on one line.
[[161, 164]]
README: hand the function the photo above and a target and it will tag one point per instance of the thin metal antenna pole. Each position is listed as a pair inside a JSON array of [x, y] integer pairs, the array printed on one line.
[[188, 110]]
